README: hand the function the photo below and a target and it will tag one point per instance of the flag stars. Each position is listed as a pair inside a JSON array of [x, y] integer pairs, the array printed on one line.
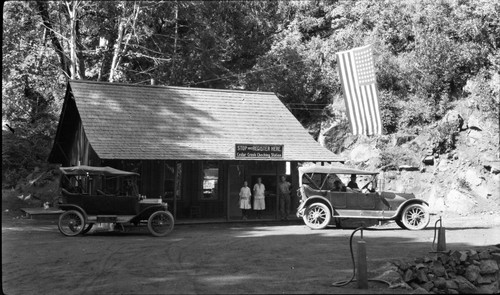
[[364, 66]]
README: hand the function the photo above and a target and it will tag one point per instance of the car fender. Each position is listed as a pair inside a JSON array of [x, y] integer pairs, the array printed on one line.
[[147, 212], [409, 202], [316, 199], [67, 207]]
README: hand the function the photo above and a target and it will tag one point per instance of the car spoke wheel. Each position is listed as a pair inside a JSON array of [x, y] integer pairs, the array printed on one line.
[[71, 223], [415, 217], [160, 223], [317, 216]]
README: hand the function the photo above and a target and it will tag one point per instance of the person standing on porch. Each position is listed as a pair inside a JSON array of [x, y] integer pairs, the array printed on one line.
[[245, 195], [284, 197], [259, 203]]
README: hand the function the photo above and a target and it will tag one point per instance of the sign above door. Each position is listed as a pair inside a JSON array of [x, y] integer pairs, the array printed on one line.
[[258, 151]]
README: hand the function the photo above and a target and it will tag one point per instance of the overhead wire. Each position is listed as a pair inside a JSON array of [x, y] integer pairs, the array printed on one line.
[[234, 75]]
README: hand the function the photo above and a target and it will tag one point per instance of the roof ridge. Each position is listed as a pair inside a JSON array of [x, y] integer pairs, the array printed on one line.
[[174, 87]]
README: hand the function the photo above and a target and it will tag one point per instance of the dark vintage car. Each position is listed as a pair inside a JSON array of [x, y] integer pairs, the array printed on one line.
[[104, 195], [326, 199]]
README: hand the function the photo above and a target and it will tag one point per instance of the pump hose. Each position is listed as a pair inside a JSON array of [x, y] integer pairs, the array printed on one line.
[[352, 279]]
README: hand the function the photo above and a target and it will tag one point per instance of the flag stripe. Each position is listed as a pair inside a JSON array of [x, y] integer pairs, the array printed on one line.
[[357, 75], [352, 92], [345, 83], [367, 115], [377, 110], [357, 92]]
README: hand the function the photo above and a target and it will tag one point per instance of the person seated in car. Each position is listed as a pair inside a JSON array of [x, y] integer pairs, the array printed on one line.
[[352, 184], [338, 186]]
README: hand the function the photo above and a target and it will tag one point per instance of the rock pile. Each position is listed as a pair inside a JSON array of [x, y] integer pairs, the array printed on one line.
[[454, 272]]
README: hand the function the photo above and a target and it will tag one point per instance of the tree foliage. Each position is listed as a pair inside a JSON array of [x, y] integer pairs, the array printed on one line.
[[427, 54]]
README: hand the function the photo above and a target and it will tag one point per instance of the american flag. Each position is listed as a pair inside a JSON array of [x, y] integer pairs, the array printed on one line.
[[357, 74]]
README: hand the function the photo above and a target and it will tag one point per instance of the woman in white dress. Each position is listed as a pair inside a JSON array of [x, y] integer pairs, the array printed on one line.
[[259, 203], [245, 195]]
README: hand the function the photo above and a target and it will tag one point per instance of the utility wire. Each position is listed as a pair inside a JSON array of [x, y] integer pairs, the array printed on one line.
[[234, 75]]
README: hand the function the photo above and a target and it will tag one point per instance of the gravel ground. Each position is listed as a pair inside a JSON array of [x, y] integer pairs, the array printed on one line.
[[236, 258]]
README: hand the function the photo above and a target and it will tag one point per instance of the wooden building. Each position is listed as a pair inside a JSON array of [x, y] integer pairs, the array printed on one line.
[[193, 147]]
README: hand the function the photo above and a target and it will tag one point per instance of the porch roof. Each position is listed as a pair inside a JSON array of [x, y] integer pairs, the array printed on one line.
[[124, 121]]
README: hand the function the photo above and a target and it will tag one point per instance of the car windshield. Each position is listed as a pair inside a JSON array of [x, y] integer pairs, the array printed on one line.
[[336, 177]]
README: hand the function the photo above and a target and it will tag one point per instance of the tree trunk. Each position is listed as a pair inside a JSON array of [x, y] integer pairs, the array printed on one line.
[[63, 58], [176, 37], [116, 53], [119, 52]]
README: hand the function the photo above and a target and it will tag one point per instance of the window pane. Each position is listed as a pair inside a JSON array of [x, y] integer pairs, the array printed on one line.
[[210, 181]]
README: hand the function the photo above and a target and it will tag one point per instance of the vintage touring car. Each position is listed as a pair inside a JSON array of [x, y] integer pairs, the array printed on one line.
[[326, 199], [104, 195]]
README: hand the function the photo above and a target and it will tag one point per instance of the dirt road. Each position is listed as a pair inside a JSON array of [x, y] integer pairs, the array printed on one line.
[[268, 258]]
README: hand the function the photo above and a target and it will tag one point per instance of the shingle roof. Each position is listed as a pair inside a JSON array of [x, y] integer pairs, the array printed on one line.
[[157, 122]]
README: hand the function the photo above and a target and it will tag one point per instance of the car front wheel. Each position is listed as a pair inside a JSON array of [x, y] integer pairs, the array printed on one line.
[[317, 216], [160, 223], [415, 217], [71, 223]]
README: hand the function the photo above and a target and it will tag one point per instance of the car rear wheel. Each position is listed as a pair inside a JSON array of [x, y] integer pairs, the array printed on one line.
[[71, 223], [161, 223], [317, 216], [415, 217], [400, 224]]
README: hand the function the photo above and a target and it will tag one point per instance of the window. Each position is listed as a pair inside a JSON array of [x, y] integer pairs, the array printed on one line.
[[210, 181]]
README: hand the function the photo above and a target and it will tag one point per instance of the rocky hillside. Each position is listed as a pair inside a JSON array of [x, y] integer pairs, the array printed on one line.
[[453, 164]]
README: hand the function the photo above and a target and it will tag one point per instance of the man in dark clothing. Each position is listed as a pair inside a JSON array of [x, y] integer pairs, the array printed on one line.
[[352, 184], [284, 197]]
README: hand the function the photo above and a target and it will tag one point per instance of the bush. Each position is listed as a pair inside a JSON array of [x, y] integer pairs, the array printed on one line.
[[415, 112], [484, 93], [392, 158], [389, 111], [444, 137]]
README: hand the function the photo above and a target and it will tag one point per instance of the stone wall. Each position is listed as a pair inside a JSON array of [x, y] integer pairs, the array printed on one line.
[[453, 272]]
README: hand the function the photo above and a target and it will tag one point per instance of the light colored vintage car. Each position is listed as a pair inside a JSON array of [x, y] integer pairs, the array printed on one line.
[[325, 199]]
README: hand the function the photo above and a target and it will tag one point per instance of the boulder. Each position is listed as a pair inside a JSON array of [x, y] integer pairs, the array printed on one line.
[[454, 118], [440, 283], [458, 202], [472, 273], [488, 288], [496, 257], [394, 279], [421, 276], [472, 177], [464, 286], [428, 286], [475, 135], [443, 165], [474, 123], [486, 279], [438, 269], [363, 153], [450, 284], [488, 266], [409, 275]]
